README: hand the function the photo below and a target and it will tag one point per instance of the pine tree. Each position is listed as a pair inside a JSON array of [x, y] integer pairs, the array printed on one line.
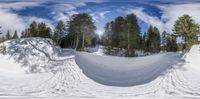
[[171, 45], [27, 33], [59, 32], [0, 30], [37, 30], [133, 34], [22, 34], [144, 42], [43, 30], [188, 29], [123, 33], [81, 30], [33, 29], [153, 41], [2, 39], [8, 36], [88, 29], [164, 40], [95, 40], [111, 32], [106, 37], [174, 44], [117, 31], [15, 36]]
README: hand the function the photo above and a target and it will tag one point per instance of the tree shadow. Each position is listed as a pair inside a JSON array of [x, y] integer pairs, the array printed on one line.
[[34, 54]]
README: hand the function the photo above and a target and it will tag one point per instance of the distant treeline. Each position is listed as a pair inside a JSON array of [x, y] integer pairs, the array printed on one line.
[[77, 33], [8, 36], [123, 33]]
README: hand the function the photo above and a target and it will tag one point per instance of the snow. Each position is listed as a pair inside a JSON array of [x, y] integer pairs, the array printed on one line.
[[75, 75], [193, 57], [120, 71], [97, 50], [100, 51], [8, 65]]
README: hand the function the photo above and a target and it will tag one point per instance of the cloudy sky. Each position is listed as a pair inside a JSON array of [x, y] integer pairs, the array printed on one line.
[[18, 14]]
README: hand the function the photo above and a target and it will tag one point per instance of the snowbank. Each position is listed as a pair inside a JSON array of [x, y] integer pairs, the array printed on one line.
[[33, 54], [193, 57]]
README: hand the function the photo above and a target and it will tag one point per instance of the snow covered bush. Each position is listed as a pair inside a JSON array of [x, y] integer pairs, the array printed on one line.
[[34, 54], [115, 51], [3, 49]]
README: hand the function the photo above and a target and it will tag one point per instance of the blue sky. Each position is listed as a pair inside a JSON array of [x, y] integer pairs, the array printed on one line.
[[18, 14]]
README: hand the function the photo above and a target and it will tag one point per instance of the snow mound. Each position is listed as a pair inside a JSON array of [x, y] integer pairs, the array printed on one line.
[[193, 57], [33, 54]]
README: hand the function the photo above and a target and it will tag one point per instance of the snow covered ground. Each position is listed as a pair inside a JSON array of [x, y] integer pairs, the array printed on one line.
[[51, 74]]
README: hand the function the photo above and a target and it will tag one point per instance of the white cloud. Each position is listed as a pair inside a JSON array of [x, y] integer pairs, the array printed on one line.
[[17, 5], [95, 17], [64, 7], [99, 15], [102, 14], [60, 11], [64, 11], [172, 12], [11, 21], [169, 16], [64, 17], [151, 20]]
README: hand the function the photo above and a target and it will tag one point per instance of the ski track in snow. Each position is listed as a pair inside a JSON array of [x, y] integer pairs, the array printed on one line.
[[68, 81]]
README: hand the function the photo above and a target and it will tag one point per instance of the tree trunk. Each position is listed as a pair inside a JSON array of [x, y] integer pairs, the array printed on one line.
[[128, 46], [74, 43], [83, 43], [77, 40], [71, 43], [188, 43]]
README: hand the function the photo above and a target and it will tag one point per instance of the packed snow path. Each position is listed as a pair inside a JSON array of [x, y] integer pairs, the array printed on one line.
[[171, 76]]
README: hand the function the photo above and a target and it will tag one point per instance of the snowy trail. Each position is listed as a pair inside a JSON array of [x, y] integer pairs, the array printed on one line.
[[167, 75]]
